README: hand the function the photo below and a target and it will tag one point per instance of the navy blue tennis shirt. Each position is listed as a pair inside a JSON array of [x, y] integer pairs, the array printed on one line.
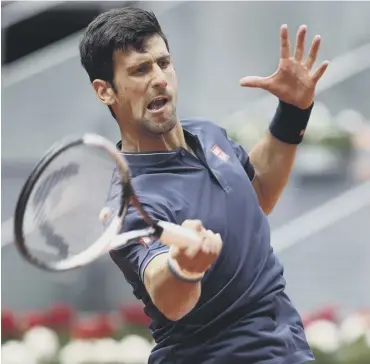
[[243, 315]]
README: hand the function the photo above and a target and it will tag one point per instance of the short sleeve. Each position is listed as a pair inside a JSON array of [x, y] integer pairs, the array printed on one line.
[[243, 157], [134, 257]]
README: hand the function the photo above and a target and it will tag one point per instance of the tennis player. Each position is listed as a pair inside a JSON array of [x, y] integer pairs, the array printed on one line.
[[222, 301]]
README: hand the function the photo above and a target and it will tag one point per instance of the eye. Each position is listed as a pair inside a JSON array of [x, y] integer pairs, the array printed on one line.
[[142, 69], [164, 63]]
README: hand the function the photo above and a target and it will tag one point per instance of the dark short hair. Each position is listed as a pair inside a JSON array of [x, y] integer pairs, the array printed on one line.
[[112, 31]]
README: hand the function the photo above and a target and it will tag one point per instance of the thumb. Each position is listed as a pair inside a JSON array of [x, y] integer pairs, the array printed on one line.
[[254, 81], [174, 251]]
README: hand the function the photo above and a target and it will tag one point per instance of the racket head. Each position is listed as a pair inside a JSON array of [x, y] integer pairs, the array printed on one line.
[[40, 185]]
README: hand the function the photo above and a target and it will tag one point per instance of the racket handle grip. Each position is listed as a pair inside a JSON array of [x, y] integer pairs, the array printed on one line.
[[172, 234]]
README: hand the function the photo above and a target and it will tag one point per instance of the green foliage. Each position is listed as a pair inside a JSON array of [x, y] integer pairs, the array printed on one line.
[[130, 329], [336, 141], [355, 353], [323, 358]]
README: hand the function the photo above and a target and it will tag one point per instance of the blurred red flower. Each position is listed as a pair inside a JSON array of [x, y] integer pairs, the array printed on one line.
[[328, 312], [134, 314], [61, 316], [96, 327], [9, 324], [306, 319], [35, 318]]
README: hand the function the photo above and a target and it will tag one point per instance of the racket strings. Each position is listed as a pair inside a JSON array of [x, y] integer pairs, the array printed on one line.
[[62, 216]]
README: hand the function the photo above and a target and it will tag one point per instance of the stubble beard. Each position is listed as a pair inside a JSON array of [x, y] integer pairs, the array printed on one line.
[[159, 128]]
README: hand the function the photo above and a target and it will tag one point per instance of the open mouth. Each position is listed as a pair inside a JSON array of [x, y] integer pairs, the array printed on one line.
[[158, 103]]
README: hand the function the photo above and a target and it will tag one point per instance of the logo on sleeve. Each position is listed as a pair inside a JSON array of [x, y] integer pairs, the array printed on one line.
[[145, 241], [218, 152]]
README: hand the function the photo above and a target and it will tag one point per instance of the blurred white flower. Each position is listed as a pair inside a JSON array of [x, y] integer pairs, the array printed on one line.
[[135, 350], [43, 342], [323, 335], [352, 328], [16, 352], [350, 120], [105, 351], [76, 352]]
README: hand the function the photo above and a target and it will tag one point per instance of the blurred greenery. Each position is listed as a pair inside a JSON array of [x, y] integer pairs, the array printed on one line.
[[340, 141], [130, 329], [355, 353], [323, 358], [335, 139]]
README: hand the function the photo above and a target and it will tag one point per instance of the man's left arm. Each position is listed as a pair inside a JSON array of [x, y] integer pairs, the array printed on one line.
[[294, 85], [273, 156], [273, 161]]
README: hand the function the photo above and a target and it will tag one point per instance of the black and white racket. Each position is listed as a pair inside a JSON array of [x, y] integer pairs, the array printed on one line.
[[60, 212]]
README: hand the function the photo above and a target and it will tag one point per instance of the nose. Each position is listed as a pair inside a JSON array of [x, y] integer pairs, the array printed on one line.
[[159, 78], [162, 84]]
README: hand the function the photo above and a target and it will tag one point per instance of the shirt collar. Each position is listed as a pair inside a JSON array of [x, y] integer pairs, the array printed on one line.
[[145, 158]]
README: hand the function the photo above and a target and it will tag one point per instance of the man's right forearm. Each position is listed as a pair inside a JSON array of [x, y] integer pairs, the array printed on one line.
[[173, 297]]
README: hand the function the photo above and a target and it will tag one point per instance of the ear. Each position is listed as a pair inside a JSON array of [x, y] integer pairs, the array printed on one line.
[[104, 91]]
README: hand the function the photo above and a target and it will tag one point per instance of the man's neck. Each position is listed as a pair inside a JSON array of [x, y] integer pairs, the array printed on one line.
[[134, 143]]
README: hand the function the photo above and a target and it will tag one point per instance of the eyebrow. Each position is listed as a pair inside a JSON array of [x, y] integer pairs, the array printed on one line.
[[143, 63]]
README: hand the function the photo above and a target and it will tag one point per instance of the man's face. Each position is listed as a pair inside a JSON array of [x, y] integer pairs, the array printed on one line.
[[146, 86]]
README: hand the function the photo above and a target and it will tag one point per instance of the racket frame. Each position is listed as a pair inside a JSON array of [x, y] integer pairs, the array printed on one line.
[[54, 152]]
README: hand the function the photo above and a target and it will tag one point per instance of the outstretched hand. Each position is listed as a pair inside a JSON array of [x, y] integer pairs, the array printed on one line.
[[294, 81]]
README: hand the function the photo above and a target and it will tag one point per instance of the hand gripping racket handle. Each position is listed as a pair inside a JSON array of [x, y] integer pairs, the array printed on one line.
[[172, 234]]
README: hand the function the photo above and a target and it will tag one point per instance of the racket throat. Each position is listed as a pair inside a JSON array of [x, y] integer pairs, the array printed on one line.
[[157, 229]]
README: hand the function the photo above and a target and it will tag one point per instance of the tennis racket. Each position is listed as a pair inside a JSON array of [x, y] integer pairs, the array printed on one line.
[[61, 210]]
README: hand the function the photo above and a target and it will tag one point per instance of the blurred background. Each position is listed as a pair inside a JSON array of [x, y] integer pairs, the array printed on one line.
[[321, 226]]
